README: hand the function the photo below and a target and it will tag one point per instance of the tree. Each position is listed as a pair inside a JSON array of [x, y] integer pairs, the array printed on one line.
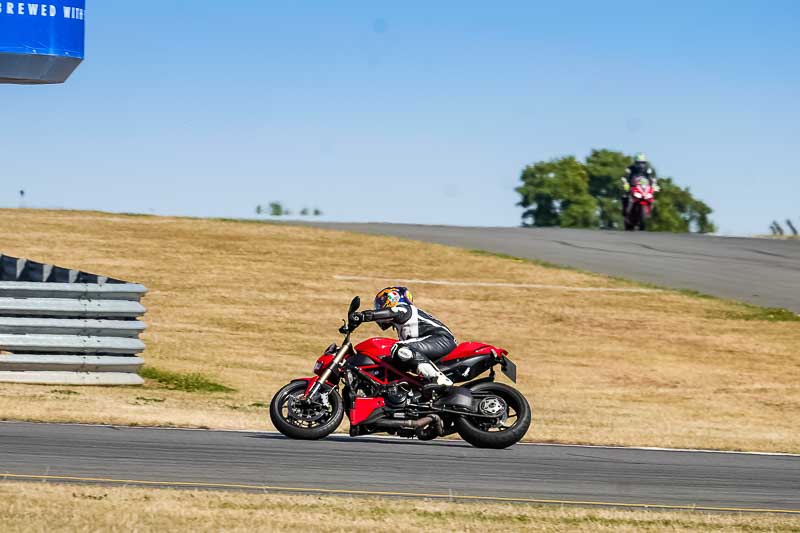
[[276, 209], [678, 211], [556, 193], [565, 192], [605, 168]]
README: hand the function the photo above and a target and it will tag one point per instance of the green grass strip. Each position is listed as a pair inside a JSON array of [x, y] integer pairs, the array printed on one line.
[[770, 314], [186, 382]]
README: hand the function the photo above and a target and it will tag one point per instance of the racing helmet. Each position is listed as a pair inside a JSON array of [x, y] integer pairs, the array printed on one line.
[[640, 158], [392, 296]]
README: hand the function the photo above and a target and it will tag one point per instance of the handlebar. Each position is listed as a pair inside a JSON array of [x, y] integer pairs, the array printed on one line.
[[353, 321]]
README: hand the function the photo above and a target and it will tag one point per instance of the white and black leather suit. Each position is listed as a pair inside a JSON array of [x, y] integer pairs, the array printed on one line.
[[423, 338], [640, 169]]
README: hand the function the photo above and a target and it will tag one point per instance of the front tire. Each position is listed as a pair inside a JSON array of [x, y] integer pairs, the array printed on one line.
[[642, 218], [629, 221], [298, 420], [501, 432]]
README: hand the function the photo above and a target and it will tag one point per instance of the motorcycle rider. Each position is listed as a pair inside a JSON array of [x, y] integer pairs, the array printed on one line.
[[639, 169], [423, 338]]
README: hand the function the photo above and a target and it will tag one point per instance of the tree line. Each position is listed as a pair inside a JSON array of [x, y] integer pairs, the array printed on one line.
[[777, 229], [570, 193], [276, 209]]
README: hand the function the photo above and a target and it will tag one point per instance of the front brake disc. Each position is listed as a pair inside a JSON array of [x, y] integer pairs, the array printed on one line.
[[304, 409]]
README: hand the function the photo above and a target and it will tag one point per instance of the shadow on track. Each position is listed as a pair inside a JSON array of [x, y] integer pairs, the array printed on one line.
[[372, 440]]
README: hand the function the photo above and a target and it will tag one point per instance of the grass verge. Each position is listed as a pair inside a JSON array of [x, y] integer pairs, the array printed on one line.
[[769, 314], [251, 305], [187, 382], [44, 507]]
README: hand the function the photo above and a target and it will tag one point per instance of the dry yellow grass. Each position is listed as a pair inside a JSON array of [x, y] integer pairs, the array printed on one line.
[[46, 508], [251, 305]]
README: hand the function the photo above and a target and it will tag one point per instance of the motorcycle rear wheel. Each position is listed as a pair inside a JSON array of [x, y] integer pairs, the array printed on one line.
[[494, 433], [305, 423]]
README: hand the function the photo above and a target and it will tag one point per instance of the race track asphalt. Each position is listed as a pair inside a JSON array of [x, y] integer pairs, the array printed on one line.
[[764, 272], [225, 460], [760, 271]]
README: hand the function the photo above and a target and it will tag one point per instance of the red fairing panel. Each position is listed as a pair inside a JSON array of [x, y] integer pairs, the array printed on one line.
[[376, 347], [322, 364], [310, 382], [362, 408], [468, 349]]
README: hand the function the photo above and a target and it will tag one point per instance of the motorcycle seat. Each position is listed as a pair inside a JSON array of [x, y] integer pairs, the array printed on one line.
[[467, 349]]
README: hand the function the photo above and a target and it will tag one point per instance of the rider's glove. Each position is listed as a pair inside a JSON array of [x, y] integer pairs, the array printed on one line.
[[656, 188], [363, 316]]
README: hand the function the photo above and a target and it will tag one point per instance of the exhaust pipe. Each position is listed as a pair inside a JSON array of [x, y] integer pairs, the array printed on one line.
[[390, 423], [418, 424]]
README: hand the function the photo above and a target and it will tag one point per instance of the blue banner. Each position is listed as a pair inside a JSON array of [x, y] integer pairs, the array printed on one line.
[[40, 42], [54, 28]]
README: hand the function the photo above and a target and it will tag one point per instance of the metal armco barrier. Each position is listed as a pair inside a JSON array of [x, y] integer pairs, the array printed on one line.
[[68, 327]]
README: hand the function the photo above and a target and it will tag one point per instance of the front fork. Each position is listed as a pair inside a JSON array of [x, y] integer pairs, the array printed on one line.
[[313, 391]]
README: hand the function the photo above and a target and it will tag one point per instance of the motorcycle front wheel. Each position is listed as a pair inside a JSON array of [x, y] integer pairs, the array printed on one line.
[[303, 419], [642, 218], [626, 219], [507, 417]]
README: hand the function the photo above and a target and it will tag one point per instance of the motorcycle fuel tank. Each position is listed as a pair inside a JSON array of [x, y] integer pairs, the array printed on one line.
[[376, 347]]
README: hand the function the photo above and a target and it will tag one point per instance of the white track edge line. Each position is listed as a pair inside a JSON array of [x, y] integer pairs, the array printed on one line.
[[390, 437]]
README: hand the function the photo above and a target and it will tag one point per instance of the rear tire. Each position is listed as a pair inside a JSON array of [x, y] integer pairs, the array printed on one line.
[[479, 431], [293, 425]]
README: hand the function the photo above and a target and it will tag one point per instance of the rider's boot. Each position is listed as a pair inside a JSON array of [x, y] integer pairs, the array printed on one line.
[[436, 378]]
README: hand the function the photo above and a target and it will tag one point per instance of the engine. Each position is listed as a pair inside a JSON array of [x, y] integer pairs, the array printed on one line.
[[398, 396]]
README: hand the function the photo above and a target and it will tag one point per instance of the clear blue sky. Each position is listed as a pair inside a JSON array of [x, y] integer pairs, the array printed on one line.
[[415, 111]]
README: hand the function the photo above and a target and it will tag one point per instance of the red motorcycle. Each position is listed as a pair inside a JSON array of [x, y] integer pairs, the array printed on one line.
[[640, 204], [379, 397]]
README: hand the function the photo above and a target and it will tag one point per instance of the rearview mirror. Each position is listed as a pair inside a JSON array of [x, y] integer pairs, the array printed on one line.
[[354, 305]]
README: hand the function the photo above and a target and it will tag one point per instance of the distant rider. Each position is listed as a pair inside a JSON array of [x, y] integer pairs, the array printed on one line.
[[423, 338], [639, 169]]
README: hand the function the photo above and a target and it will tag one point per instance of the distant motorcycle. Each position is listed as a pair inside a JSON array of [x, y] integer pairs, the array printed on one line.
[[379, 397], [640, 204]]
